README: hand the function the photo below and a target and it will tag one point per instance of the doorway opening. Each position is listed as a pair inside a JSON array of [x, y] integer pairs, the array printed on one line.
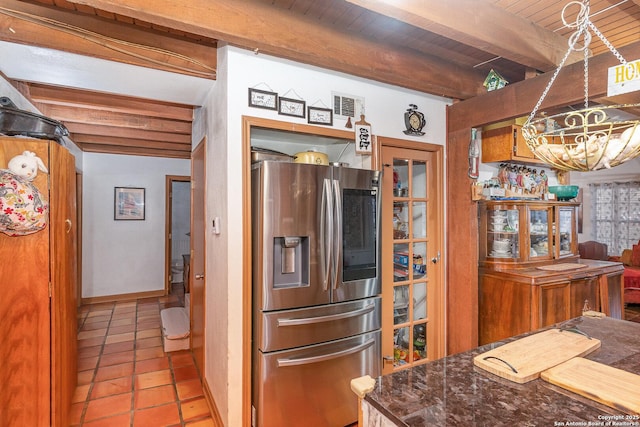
[[177, 232]]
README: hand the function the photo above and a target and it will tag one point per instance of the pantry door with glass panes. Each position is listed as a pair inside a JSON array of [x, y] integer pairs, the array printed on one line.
[[412, 268]]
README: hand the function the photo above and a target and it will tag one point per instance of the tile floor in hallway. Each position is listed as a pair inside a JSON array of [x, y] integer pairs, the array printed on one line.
[[124, 376]]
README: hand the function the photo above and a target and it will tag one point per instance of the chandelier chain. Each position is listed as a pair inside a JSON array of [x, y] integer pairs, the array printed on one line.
[[607, 43], [586, 78], [582, 25], [553, 79], [589, 139]]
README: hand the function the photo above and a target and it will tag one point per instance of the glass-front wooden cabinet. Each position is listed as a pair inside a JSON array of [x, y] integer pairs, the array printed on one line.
[[530, 273], [527, 232]]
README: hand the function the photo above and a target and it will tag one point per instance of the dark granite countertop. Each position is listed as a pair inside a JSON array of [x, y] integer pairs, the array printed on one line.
[[453, 392]]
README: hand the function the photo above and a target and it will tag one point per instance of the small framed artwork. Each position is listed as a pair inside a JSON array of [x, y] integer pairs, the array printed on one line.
[[129, 203], [291, 107], [263, 99], [320, 116]]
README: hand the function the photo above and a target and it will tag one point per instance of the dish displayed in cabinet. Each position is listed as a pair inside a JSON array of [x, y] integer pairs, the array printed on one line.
[[504, 221], [502, 248]]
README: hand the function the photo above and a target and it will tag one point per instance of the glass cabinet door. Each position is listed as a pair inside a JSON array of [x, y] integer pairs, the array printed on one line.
[[503, 233], [410, 237], [540, 237], [566, 230]]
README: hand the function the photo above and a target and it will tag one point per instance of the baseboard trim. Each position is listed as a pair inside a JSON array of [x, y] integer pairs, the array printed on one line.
[[123, 297], [213, 409]]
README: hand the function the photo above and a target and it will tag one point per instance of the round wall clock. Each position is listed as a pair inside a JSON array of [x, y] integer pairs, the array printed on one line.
[[414, 121]]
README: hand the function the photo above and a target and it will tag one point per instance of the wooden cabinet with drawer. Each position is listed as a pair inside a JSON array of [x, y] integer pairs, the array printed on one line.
[[522, 300]]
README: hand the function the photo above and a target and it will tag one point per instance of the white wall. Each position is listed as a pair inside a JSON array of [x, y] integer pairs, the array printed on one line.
[[237, 71], [121, 257]]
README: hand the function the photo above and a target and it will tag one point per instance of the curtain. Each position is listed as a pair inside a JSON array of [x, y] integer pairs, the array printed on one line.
[[615, 214]]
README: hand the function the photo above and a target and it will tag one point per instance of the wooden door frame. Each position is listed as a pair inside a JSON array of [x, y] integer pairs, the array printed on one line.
[[198, 307], [168, 216], [79, 187], [438, 152]]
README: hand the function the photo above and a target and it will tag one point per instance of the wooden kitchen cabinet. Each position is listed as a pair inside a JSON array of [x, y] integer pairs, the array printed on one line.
[[584, 295], [38, 368], [506, 144], [518, 300], [530, 274]]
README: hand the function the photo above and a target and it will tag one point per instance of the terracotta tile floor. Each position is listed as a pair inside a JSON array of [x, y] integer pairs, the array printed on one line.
[[124, 376]]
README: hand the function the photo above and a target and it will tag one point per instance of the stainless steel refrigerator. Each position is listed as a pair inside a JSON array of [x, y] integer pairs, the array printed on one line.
[[316, 285]]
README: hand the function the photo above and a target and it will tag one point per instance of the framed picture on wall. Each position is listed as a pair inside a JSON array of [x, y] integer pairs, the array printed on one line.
[[263, 99], [320, 116], [291, 107], [128, 203]]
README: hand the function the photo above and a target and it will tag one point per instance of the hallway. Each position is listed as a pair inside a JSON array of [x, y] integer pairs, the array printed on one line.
[[125, 379]]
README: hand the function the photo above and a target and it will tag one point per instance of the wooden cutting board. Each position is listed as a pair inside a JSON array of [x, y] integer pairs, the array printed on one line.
[[523, 360], [610, 386], [562, 267]]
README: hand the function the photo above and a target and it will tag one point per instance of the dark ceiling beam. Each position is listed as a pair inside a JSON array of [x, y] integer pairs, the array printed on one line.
[[20, 23], [518, 99], [44, 94], [473, 22], [260, 27], [115, 131], [105, 117], [112, 141], [133, 151]]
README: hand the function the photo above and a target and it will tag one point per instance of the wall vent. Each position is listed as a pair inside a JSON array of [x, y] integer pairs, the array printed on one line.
[[345, 106]]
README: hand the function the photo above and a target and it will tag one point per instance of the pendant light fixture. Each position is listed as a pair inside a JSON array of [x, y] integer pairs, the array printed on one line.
[[591, 138]]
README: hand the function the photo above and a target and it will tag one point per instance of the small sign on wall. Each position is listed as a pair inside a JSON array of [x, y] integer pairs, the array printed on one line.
[[363, 136], [623, 78]]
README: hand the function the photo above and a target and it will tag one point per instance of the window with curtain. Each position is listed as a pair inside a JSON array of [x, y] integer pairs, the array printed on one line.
[[615, 214]]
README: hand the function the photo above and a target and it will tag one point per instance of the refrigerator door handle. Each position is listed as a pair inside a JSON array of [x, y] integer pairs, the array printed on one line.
[[326, 232], [322, 358], [337, 249], [328, 318]]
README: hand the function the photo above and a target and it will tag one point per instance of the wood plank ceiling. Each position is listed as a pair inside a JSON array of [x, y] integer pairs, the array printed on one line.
[[439, 47]]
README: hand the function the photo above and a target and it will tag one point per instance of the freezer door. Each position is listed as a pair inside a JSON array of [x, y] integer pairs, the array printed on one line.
[[310, 386], [305, 326], [290, 269], [356, 252]]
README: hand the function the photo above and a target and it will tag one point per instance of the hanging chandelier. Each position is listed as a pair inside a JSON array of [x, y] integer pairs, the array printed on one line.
[[591, 138]]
